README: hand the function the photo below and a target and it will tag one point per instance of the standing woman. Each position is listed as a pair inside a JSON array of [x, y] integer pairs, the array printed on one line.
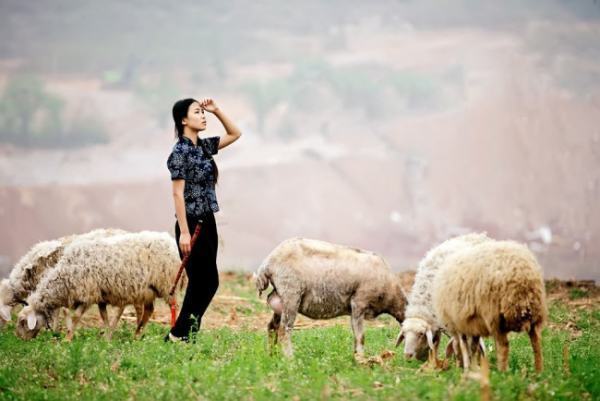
[[194, 174]]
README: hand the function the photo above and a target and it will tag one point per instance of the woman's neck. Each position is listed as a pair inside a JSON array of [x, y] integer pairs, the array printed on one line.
[[191, 135]]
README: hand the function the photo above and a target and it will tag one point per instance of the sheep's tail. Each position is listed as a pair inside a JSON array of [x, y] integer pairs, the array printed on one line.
[[262, 277]]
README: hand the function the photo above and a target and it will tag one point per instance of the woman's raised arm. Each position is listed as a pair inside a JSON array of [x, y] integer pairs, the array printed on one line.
[[233, 133]]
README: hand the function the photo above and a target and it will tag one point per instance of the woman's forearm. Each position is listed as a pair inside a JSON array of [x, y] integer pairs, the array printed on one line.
[[230, 128], [180, 212]]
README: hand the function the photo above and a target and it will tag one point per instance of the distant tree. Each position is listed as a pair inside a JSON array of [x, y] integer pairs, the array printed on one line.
[[30, 116]]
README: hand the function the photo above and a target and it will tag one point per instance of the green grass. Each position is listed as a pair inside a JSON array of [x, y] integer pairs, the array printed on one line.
[[227, 364], [577, 293]]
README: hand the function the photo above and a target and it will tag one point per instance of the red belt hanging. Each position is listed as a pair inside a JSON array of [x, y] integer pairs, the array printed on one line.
[[172, 300]]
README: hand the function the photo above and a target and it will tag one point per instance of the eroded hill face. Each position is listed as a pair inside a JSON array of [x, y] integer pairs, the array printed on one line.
[[393, 140]]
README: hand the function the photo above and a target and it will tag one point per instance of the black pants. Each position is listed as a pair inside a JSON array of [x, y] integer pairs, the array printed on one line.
[[203, 277]]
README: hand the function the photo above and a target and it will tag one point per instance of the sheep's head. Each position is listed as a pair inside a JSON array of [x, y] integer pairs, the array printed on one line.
[[418, 338], [5, 302], [29, 323]]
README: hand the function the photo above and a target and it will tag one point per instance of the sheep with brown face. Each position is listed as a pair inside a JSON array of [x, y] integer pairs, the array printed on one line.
[[321, 280], [490, 290], [130, 268]]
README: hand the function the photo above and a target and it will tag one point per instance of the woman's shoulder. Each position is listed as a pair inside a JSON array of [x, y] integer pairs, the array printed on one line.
[[180, 147], [211, 144]]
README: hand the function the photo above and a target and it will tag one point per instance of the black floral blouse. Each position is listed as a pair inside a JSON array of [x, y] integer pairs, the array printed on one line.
[[193, 164]]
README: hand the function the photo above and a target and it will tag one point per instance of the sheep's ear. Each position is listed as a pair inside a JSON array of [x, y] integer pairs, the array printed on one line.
[[429, 335], [400, 338], [5, 312], [31, 321]]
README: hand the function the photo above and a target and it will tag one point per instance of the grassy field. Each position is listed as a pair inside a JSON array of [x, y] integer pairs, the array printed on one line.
[[230, 360]]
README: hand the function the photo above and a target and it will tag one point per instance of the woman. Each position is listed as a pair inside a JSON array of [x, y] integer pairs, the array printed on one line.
[[194, 174]]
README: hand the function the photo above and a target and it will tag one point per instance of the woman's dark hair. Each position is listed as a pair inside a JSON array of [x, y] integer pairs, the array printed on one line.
[[180, 111]]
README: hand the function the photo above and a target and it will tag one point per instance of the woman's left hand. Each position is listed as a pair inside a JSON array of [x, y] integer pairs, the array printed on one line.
[[209, 105]]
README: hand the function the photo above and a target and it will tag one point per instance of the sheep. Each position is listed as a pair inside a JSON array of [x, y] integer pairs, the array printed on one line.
[[490, 290], [131, 268], [26, 274], [420, 329], [321, 280], [34, 264]]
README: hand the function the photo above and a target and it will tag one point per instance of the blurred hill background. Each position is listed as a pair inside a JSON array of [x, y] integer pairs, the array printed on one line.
[[385, 125]]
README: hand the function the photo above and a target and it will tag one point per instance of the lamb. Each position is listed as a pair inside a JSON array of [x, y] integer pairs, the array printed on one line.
[[321, 280], [34, 264], [131, 268], [490, 290], [421, 330]]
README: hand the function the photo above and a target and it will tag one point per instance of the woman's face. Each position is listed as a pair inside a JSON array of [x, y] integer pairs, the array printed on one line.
[[195, 117]]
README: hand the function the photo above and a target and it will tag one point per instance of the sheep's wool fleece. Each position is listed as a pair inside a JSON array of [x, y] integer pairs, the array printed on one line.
[[420, 304], [494, 287], [324, 276], [123, 269], [29, 270]]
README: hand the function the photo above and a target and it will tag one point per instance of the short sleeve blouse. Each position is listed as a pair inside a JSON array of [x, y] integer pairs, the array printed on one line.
[[194, 165]]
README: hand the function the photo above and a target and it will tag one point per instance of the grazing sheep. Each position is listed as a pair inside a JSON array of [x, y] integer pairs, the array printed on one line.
[[490, 290], [321, 281], [131, 268], [28, 271], [26, 274], [420, 329]]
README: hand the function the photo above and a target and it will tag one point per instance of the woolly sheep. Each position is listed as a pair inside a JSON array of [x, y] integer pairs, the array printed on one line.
[[28, 271], [421, 330], [26, 274], [131, 268], [321, 281], [490, 290]]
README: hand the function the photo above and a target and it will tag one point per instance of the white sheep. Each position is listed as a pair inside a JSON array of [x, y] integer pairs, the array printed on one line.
[[131, 268], [28, 271], [490, 290], [321, 281], [26, 274], [421, 330]]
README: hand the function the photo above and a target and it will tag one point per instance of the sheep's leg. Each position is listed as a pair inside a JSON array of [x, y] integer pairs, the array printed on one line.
[[114, 322], [272, 330], [77, 314], [481, 347], [535, 336], [103, 315], [356, 321], [451, 348], [290, 310], [148, 310], [473, 345], [139, 312], [464, 352], [456, 351], [502, 350], [68, 321], [61, 314], [436, 346]]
